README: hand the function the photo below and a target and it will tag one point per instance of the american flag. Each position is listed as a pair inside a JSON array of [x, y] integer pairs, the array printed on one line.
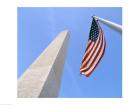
[[95, 49]]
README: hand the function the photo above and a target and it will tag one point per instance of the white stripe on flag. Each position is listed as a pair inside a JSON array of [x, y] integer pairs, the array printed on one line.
[[91, 51], [98, 58], [95, 53]]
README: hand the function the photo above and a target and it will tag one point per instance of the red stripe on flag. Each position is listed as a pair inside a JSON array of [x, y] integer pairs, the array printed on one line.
[[85, 68], [87, 53], [85, 63], [87, 75]]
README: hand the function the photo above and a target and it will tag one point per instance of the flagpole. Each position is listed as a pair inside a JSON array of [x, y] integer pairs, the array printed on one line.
[[109, 23]]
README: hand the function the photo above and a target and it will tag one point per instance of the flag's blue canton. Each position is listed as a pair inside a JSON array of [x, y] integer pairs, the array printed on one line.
[[94, 31]]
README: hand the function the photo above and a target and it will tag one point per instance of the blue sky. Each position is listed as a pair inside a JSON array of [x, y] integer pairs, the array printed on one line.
[[37, 27]]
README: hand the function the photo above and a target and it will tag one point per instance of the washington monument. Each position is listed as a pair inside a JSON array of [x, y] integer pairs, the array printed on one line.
[[43, 77]]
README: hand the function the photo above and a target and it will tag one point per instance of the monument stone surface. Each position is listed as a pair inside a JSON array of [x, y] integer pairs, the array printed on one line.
[[43, 77]]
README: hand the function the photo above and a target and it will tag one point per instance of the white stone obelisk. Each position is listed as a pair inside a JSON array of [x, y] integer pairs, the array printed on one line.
[[42, 79]]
